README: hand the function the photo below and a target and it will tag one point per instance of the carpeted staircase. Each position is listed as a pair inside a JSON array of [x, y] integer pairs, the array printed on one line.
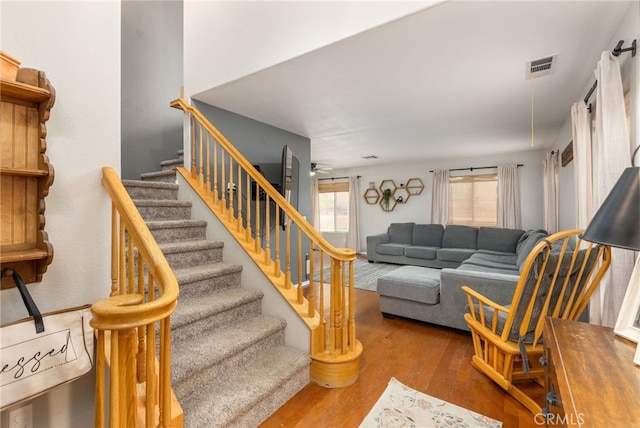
[[230, 364]]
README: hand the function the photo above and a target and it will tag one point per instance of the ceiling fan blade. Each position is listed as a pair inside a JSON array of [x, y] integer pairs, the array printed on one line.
[[321, 169]]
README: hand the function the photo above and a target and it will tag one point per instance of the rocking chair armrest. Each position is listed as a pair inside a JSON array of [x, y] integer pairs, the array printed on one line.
[[482, 303], [471, 293]]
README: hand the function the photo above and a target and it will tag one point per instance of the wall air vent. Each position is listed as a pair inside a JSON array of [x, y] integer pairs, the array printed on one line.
[[541, 67]]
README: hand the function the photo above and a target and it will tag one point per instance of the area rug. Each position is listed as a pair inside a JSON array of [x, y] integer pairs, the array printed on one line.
[[403, 407], [365, 274]]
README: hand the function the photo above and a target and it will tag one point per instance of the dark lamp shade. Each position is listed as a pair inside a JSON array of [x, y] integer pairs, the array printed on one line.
[[617, 222]]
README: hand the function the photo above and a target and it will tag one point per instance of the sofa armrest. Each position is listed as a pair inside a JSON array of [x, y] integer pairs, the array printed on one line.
[[497, 287], [372, 242]]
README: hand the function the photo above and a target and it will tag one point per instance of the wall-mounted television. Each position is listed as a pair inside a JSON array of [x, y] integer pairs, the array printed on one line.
[[290, 180]]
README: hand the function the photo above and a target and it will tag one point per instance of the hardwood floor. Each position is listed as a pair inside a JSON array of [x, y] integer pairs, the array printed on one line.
[[431, 359]]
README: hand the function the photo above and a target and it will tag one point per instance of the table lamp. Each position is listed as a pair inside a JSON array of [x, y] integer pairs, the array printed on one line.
[[617, 222]]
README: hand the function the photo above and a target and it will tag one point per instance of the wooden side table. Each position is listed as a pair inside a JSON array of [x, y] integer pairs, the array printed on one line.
[[591, 380]]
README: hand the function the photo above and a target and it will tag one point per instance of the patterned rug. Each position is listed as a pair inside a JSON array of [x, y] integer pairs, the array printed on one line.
[[365, 274], [403, 407]]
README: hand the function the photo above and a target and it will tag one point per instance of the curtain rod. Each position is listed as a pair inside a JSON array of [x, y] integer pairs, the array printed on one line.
[[337, 178], [471, 168], [615, 52]]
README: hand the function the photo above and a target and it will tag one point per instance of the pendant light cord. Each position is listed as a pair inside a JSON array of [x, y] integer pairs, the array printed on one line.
[[532, 137]]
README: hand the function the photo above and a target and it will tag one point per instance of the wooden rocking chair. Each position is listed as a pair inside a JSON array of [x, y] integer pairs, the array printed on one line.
[[557, 279]]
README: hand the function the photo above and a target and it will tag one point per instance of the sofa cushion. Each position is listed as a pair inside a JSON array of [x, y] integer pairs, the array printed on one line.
[[428, 235], [413, 283], [495, 256], [525, 245], [489, 265], [454, 254], [498, 239], [391, 249], [401, 233], [456, 236], [475, 269], [427, 253]]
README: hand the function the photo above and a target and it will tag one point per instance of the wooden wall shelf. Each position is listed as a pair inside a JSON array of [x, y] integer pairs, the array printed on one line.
[[23, 91], [388, 185], [400, 194], [415, 186], [371, 196], [25, 175]]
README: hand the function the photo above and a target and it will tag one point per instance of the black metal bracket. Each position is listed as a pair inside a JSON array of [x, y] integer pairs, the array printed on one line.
[[618, 49], [615, 52]]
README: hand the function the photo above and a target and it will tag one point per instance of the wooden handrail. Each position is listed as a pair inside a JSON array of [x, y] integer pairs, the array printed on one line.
[[228, 183], [144, 293], [338, 253]]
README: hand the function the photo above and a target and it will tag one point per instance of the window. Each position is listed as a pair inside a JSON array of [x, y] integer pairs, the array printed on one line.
[[334, 207], [473, 200]]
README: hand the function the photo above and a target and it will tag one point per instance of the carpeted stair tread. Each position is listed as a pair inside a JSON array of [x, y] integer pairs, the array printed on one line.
[[184, 246], [177, 230], [150, 184], [214, 347], [166, 176], [212, 304], [163, 209], [204, 279], [160, 203], [172, 224], [211, 270], [182, 254], [138, 189], [171, 163], [245, 391]]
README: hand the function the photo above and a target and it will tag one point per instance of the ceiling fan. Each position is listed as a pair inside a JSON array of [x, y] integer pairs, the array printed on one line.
[[315, 168]]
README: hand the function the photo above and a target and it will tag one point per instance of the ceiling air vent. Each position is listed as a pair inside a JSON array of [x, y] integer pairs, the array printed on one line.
[[541, 67]]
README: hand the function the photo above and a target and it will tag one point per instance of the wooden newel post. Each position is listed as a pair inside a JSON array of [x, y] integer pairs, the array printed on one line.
[[336, 304]]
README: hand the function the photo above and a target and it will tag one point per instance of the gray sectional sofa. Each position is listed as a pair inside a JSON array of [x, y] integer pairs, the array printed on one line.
[[441, 260]]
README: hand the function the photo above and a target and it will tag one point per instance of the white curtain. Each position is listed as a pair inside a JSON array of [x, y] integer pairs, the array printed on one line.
[[550, 185], [509, 214], [611, 155], [581, 131], [440, 197], [353, 238], [315, 204]]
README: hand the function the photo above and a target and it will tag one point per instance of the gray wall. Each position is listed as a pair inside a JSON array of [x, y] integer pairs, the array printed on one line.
[[152, 74]]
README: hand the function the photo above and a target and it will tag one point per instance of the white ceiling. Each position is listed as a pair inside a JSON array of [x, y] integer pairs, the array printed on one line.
[[444, 82]]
